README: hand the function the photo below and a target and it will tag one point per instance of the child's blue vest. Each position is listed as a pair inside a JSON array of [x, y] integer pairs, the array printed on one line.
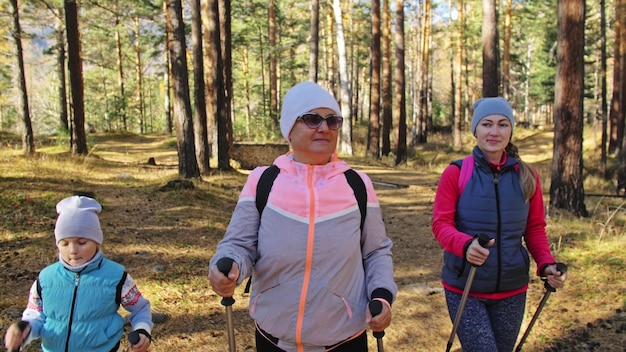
[[494, 204], [81, 308]]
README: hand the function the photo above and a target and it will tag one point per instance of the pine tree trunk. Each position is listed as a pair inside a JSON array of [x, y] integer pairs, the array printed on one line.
[[75, 65], [211, 53], [28, 142], [617, 112], [167, 106], [187, 163], [314, 41], [273, 71], [386, 86], [566, 189], [224, 92], [491, 80], [373, 145], [506, 51], [423, 117], [121, 104], [458, 89], [345, 140], [61, 76], [400, 95], [199, 122]]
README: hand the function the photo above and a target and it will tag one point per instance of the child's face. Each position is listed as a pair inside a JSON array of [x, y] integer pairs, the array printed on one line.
[[77, 251]]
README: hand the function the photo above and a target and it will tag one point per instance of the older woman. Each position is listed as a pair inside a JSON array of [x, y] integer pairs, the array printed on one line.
[[314, 265]]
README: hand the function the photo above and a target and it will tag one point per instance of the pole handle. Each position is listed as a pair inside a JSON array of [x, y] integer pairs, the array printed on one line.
[[562, 267], [133, 337], [376, 307], [224, 265], [483, 239]]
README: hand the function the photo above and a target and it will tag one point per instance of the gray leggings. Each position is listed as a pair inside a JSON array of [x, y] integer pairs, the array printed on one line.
[[487, 325]]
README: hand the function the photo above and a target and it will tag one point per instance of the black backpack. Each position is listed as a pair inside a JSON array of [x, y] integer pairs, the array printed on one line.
[[266, 181]]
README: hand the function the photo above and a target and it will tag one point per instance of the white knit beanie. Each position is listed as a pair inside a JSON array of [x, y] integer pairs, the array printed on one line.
[[302, 98], [492, 106], [78, 217]]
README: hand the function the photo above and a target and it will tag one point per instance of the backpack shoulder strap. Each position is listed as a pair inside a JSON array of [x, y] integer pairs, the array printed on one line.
[[266, 181], [263, 188], [118, 289], [360, 192], [467, 168]]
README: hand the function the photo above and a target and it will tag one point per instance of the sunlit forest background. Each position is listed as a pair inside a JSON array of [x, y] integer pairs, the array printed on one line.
[[124, 60]]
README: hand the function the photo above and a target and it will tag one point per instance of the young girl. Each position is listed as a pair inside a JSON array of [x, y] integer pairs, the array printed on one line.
[[73, 304]]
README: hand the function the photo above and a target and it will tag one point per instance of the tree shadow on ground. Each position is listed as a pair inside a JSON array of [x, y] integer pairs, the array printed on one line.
[[598, 335]]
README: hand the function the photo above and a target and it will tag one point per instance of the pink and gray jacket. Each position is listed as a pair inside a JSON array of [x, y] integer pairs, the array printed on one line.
[[313, 271]]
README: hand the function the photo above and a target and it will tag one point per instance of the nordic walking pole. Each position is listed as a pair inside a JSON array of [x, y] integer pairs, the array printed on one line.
[[375, 308], [549, 289], [483, 239], [224, 265]]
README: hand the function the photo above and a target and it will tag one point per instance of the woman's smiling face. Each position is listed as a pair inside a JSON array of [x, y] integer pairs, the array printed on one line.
[[313, 145], [493, 134]]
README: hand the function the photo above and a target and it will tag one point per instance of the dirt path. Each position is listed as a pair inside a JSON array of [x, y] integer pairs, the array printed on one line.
[[165, 239], [421, 321]]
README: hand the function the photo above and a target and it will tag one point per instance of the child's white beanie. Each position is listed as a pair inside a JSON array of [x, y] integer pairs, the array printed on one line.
[[78, 217], [302, 98], [492, 106]]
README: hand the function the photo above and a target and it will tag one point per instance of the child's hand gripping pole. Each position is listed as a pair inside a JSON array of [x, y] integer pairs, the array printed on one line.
[[376, 307], [224, 265], [561, 267], [483, 240], [21, 325]]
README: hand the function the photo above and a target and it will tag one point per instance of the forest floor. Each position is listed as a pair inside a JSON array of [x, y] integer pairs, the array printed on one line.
[[165, 238]]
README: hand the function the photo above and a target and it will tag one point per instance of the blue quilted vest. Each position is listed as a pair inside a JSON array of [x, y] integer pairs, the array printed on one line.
[[81, 308], [492, 203]]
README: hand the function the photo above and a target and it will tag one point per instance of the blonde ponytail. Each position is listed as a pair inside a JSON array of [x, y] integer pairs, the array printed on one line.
[[527, 175]]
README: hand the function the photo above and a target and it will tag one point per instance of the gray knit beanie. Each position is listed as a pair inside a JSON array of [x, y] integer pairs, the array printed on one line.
[[302, 98], [78, 217], [492, 106]]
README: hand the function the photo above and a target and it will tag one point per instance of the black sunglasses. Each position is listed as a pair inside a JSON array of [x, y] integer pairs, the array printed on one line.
[[314, 120]]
